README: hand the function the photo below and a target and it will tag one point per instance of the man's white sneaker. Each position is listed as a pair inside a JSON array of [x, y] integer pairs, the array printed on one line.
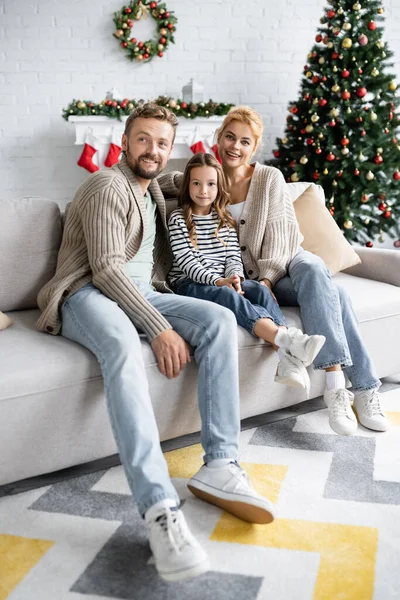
[[177, 554], [304, 347], [369, 411], [341, 416], [292, 372], [229, 488]]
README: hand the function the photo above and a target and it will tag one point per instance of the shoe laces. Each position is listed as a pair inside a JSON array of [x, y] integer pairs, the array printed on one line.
[[372, 403], [170, 526], [341, 404]]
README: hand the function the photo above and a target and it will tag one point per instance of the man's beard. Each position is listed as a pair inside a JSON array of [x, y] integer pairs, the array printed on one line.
[[140, 171]]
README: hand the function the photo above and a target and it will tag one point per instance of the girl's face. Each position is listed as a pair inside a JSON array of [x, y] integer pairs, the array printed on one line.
[[237, 145], [203, 189]]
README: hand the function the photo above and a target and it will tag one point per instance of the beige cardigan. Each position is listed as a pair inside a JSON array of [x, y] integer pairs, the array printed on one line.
[[105, 226], [268, 231]]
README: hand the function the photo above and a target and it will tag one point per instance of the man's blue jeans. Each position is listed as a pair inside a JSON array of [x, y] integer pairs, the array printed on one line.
[[257, 303], [98, 323], [326, 309]]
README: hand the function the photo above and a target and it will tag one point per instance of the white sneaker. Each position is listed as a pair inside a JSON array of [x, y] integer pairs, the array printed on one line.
[[304, 347], [229, 488], [369, 411], [292, 372], [177, 554], [341, 416]]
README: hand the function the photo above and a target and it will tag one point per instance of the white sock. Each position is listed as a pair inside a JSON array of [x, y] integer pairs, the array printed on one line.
[[282, 338], [281, 353], [165, 503], [219, 462], [335, 380]]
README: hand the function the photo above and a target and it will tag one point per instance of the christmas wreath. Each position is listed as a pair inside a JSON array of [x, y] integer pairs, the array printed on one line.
[[115, 109], [139, 9]]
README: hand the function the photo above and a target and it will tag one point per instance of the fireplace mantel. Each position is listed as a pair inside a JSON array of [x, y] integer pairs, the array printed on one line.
[[103, 128]]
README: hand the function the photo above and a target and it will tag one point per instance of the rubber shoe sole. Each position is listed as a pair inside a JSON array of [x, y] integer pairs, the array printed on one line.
[[242, 510], [186, 573], [314, 345]]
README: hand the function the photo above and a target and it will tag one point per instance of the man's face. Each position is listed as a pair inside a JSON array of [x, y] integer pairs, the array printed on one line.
[[149, 147]]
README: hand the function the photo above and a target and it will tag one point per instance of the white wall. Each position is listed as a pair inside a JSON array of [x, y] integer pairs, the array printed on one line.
[[52, 51]]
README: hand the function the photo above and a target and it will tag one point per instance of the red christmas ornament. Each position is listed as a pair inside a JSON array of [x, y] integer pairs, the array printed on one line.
[[359, 119], [170, 26], [114, 103], [160, 54], [146, 56], [276, 153], [153, 5], [346, 95], [340, 173], [330, 157], [318, 38], [387, 214], [363, 132], [309, 141], [345, 141], [302, 131], [386, 130], [133, 40], [315, 79], [378, 159], [323, 102], [369, 244], [372, 25], [360, 71], [332, 210], [183, 105], [163, 40], [166, 15], [335, 55], [361, 91], [306, 97], [323, 79], [108, 102], [129, 23], [318, 151], [396, 244], [364, 197], [396, 175], [356, 172], [394, 140], [332, 123], [366, 108], [315, 175], [345, 73], [140, 44], [128, 11], [292, 163], [294, 110], [382, 206], [363, 40], [124, 44], [390, 116], [330, 14]]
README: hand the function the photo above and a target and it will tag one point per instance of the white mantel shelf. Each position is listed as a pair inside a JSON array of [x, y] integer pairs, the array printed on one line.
[[103, 127]]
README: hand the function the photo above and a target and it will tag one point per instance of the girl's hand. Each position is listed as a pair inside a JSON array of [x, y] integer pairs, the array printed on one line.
[[237, 284], [268, 284], [231, 282]]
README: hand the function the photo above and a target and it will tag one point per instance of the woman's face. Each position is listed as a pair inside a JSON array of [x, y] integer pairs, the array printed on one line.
[[237, 145]]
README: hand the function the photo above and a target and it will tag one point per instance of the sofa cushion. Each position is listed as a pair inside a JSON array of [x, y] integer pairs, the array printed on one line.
[[30, 236], [321, 234]]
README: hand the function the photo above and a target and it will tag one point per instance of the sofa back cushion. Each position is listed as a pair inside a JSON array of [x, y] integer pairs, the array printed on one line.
[[30, 237]]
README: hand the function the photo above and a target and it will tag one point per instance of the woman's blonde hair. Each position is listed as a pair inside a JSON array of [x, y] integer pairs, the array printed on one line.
[[246, 115], [220, 203]]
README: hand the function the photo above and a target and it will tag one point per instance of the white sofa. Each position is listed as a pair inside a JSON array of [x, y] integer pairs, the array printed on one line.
[[52, 409]]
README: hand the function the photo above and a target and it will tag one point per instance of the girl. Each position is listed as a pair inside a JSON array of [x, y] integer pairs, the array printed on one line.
[[207, 265]]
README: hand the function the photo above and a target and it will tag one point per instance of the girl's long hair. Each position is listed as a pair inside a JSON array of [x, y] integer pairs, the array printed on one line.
[[220, 203]]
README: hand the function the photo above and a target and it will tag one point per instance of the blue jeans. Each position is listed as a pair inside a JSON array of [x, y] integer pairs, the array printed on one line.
[[326, 309], [98, 323], [257, 303]]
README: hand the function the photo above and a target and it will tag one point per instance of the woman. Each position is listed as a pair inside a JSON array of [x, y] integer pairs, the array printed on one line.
[[270, 240]]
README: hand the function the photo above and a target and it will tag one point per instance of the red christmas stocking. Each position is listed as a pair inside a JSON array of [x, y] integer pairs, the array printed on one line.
[[195, 143], [89, 150], [114, 151], [216, 153]]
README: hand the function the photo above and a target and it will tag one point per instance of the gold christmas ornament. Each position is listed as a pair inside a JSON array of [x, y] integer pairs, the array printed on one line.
[[367, 221], [346, 26], [348, 224], [361, 156], [357, 6], [81, 104], [392, 86], [335, 88], [172, 103], [334, 183], [347, 43], [315, 101], [160, 47], [336, 30], [334, 112], [163, 31], [345, 151], [308, 74], [370, 176], [379, 150], [303, 160], [330, 44], [380, 10], [309, 128], [348, 110], [321, 60], [374, 72], [314, 118], [124, 26], [294, 177], [284, 140], [119, 32], [335, 69], [380, 44], [309, 55], [325, 171], [340, 11], [373, 116], [320, 135]]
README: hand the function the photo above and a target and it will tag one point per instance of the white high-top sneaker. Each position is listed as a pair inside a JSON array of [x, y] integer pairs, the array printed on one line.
[[177, 554], [341, 416], [229, 488], [369, 411], [292, 372], [304, 347]]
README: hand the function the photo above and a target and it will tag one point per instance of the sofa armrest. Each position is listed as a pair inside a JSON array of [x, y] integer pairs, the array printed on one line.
[[378, 264]]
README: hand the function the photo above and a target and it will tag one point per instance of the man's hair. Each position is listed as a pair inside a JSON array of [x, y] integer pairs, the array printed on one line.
[[150, 110]]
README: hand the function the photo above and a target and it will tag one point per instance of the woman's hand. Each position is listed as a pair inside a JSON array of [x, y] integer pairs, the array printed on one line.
[[231, 282], [268, 284]]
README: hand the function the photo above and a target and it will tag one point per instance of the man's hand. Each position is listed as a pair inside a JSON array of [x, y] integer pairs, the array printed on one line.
[[268, 284], [231, 282], [172, 353]]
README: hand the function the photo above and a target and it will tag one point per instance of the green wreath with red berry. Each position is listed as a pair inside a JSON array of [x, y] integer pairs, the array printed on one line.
[[139, 9]]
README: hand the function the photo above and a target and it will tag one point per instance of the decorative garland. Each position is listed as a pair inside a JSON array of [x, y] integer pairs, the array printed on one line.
[[139, 9], [115, 109]]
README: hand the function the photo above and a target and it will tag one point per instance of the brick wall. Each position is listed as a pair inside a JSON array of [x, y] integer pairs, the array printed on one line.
[[53, 51]]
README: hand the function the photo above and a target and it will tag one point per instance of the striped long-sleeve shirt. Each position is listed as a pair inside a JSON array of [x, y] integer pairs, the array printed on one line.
[[213, 259]]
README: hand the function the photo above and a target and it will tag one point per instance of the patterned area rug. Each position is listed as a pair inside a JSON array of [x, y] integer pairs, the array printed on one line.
[[337, 535]]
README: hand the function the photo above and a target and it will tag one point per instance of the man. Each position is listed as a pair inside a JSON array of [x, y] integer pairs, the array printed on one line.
[[114, 250]]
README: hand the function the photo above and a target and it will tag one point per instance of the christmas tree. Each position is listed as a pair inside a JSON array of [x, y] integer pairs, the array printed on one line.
[[341, 132]]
